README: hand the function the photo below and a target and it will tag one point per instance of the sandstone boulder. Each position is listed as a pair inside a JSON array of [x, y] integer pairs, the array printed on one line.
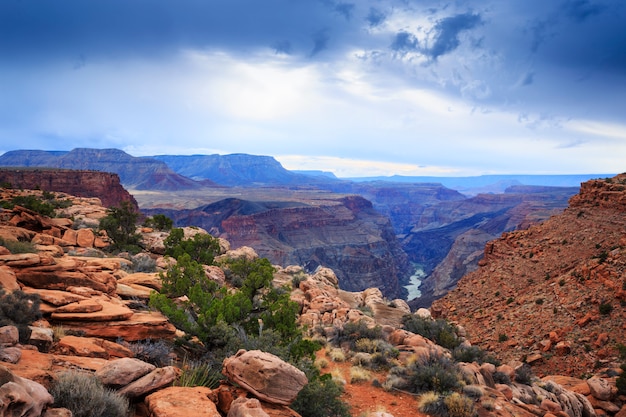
[[145, 279], [120, 372], [601, 388], [9, 336], [85, 238], [182, 402], [20, 396], [10, 354], [55, 297], [139, 326], [91, 347], [109, 312], [266, 376], [157, 379], [8, 280], [246, 407]]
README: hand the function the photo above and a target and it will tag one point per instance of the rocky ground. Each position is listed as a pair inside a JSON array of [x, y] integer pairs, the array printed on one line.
[[553, 295], [93, 306]]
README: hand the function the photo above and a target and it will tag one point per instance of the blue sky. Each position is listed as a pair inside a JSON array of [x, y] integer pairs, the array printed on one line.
[[374, 87]]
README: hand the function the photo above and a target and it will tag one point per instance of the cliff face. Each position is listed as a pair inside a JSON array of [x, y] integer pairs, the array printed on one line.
[[554, 294], [104, 185], [346, 235], [138, 173]]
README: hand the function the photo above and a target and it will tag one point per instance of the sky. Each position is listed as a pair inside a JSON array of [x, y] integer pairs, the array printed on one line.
[[363, 88]]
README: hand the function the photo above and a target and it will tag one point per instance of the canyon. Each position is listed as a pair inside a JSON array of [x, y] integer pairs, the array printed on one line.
[[410, 225]]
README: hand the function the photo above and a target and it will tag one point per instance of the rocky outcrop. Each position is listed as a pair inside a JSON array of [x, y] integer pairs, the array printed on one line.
[[136, 173], [554, 290], [103, 185], [346, 235]]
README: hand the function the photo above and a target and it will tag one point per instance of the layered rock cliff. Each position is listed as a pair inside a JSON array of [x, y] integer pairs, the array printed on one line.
[[103, 185], [346, 235], [552, 295]]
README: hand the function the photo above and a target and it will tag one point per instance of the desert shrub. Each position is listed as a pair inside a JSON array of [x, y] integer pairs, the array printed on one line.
[[523, 374], [201, 248], [361, 359], [458, 405], [469, 354], [157, 352], [19, 309], [605, 309], [621, 348], [434, 373], [473, 391], [17, 246], [354, 331], [159, 222], [120, 225], [379, 361], [432, 404], [359, 374], [321, 363], [321, 398], [501, 378], [199, 374], [439, 331], [337, 355], [502, 337], [85, 396]]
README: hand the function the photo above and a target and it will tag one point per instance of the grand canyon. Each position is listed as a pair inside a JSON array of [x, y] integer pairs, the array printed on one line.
[[531, 273]]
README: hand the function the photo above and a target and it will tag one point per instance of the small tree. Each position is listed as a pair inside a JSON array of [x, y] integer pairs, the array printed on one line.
[[202, 248], [120, 225], [159, 222]]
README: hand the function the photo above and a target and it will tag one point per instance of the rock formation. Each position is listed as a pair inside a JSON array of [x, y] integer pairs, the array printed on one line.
[[103, 185], [553, 294]]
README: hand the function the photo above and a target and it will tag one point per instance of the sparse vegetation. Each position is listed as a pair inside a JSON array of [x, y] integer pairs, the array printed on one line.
[[44, 205], [199, 374], [359, 374], [120, 226], [320, 398], [17, 246], [159, 222], [85, 396], [458, 405], [439, 331], [19, 309], [433, 373], [605, 309]]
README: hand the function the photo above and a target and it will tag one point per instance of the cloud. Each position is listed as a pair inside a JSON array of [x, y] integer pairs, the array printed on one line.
[[404, 42], [345, 9], [581, 10], [447, 31], [375, 17], [320, 41]]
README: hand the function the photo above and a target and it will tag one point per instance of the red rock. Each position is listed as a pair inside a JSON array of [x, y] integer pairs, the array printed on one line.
[[603, 339], [266, 376], [120, 372], [8, 280], [157, 379], [20, 260], [55, 297], [83, 306], [85, 238], [108, 312], [247, 407], [139, 326], [22, 397], [563, 348], [182, 402]]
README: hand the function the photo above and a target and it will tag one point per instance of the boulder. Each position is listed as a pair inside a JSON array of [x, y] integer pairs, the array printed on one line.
[[9, 336], [8, 280], [246, 407], [601, 388], [41, 337], [157, 379], [108, 312], [182, 402], [145, 279], [85, 238], [266, 376], [82, 306], [120, 372], [55, 297], [10, 354], [20, 396]]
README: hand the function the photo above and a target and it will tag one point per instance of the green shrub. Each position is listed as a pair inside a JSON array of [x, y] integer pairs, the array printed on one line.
[[501, 378], [159, 222], [17, 246], [439, 331], [85, 396], [120, 225], [605, 309], [201, 248], [473, 391], [354, 331], [20, 310], [469, 354], [502, 337], [321, 398], [142, 262]]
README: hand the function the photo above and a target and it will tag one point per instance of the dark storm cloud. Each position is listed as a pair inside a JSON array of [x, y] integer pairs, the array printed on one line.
[[121, 28], [405, 42], [375, 17], [447, 33]]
